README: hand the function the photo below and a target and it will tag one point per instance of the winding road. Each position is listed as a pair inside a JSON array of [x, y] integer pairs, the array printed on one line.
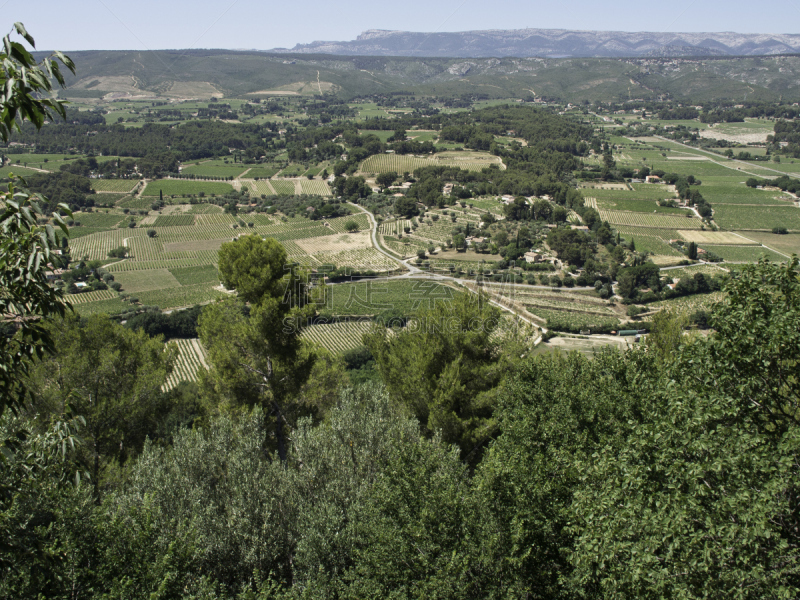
[[417, 273]]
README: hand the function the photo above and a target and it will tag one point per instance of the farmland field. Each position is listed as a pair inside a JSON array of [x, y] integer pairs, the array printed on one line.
[[405, 248], [114, 185], [98, 219], [362, 259], [638, 205], [383, 163], [338, 225], [17, 170], [260, 187], [654, 244], [142, 281], [202, 209], [174, 221], [262, 172], [725, 191], [394, 227], [178, 187], [195, 275], [586, 346], [649, 220], [744, 253], [690, 304], [374, 296], [337, 338], [561, 320], [731, 216], [705, 269], [788, 244], [191, 359], [214, 170], [84, 297], [315, 187], [283, 187], [136, 203], [293, 170], [715, 237], [180, 296]]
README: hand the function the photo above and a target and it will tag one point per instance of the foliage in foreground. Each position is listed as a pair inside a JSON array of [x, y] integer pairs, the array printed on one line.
[[665, 472]]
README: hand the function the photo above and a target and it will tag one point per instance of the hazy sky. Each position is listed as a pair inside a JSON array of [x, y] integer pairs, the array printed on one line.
[[147, 24]]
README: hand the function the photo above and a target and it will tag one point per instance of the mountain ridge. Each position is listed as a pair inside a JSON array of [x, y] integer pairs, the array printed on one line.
[[553, 43]]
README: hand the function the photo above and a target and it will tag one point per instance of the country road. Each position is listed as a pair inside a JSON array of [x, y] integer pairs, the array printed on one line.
[[417, 273]]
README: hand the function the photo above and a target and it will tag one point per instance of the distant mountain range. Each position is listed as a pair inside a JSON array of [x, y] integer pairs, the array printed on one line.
[[554, 43]]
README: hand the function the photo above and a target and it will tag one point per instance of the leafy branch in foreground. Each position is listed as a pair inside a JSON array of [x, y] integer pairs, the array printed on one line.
[[23, 81], [26, 296]]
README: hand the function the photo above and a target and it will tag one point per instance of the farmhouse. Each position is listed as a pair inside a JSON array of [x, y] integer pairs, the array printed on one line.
[[533, 257]]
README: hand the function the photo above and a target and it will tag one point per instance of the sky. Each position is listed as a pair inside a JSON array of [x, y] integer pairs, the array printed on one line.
[[251, 24]]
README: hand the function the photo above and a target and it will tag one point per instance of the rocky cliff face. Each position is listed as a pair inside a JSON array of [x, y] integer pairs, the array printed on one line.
[[555, 43]]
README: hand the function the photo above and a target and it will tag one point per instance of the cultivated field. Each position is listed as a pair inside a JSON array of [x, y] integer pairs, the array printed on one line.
[[114, 185], [214, 170], [383, 163], [731, 216], [315, 187], [191, 359], [715, 237], [374, 296], [181, 187], [745, 253], [337, 338], [649, 220]]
